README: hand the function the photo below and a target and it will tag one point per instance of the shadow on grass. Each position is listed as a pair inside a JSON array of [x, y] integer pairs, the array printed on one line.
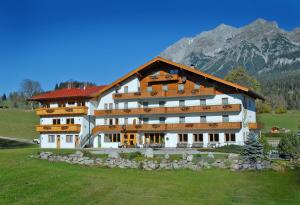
[[10, 144]]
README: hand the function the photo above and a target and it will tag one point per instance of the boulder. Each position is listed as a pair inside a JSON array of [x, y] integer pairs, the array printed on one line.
[[190, 158], [149, 153], [114, 155], [184, 155], [210, 155], [167, 156]]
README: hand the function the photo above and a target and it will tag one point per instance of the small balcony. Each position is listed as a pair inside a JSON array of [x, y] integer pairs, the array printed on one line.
[[165, 94], [161, 78], [80, 110], [254, 126], [58, 128], [168, 127], [169, 110]]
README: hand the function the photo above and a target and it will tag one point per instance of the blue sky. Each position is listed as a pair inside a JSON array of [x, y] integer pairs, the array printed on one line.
[[99, 41]]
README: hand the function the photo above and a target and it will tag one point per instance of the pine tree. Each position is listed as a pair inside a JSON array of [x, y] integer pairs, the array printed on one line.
[[253, 149], [4, 97]]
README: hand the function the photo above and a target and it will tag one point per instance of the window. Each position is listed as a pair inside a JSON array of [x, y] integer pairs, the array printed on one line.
[[71, 103], [173, 71], [203, 119], [230, 137], [81, 103], [105, 106], [125, 89], [125, 105], [149, 88], [110, 121], [110, 106], [165, 87], [116, 121], [183, 138], [181, 119], [112, 137], [145, 120], [161, 103], [203, 102], [56, 121], [51, 138], [126, 121], [69, 138], [145, 104], [180, 87], [162, 120], [154, 138], [198, 137], [61, 105], [181, 103], [139, 104], [197, 86], [105, 121], [116, 105], [225, 101], [225, 118], [117, 90], [70, 121], [214, 137]]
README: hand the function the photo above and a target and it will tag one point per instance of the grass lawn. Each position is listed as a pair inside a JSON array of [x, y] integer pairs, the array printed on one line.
[[31, 181], [290, 120], [18, 123]]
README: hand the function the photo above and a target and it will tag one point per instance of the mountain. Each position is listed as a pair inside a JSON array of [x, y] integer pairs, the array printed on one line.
[[261, 47]]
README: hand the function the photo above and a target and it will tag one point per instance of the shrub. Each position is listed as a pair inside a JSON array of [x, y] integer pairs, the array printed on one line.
[[289, 146], [263, 107], [133, 155], [280, 110], [253, 149], [226, 149]]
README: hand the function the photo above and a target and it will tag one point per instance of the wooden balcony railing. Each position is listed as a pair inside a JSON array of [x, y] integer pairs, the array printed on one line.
[[160, 78], [169, 110], [254, 126], [165, 94], [168, 127], [58, 128], [80, 110]]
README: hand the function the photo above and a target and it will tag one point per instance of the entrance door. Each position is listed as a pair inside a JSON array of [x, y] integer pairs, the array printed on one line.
[[129, 139], [76, 141], [58, 141]]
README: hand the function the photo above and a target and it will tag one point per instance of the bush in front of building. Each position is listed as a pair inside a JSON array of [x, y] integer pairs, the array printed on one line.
[[253, 149], [289, 146]]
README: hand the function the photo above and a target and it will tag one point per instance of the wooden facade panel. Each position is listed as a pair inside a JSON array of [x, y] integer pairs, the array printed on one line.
[[58, 128], [79, 110]]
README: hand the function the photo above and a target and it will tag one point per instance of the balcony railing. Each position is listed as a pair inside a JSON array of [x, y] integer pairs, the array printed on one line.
[[160, 78], [254, 126], [58, 128], [169, 110], [168, 127], [165, 94], [80, 110]]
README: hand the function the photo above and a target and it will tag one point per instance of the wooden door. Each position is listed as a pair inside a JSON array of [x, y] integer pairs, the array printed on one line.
[[129, 139], [76, 141], [58, 141]]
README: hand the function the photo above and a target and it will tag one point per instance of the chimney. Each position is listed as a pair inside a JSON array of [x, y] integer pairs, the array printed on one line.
[[69, 85]]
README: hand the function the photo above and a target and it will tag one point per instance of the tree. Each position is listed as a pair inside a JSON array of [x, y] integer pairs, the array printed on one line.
[[253, 149], [4, 97], [289, 146], [30, 88], [240, 76]]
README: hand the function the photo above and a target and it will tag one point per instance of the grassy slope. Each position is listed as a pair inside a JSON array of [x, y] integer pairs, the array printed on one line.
[[32, 181], [18, 123], [288, 120]]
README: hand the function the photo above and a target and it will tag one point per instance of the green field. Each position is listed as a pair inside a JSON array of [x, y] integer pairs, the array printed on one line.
[[289, 120], [18, 123], [32, 181]]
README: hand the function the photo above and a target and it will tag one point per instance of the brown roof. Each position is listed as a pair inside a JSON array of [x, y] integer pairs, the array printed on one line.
[[244, 89], [68, 93]]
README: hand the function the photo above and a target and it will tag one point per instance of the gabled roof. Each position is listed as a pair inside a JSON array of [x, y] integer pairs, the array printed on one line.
[[184, 67], [68, 93]]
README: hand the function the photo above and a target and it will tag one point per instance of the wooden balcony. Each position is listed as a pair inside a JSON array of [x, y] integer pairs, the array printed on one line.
[[165, 94], [168, 127], [169, 110], [80, 110], [58, 128], [254, 126], [161, 78]]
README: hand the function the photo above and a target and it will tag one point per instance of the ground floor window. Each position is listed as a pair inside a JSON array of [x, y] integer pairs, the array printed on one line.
[[112, 137], [51, 138], [183, 137], [69, 138], [198, 137], [230, 137], [214, 137], [154, 138]]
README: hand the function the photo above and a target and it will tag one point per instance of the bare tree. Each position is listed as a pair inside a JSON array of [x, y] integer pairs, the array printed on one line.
[[30, 88]]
